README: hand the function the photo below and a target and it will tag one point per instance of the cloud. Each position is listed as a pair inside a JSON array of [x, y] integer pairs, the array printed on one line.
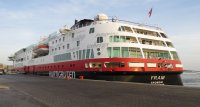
[[14, 15]]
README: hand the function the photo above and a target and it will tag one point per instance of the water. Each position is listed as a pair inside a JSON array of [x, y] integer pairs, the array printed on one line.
[[191, 78]]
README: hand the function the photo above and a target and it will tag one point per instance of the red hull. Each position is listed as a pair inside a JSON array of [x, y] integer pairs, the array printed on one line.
[[79, 66]]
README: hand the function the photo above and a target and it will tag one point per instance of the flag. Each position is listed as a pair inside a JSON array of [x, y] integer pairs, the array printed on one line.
[[150, 12]]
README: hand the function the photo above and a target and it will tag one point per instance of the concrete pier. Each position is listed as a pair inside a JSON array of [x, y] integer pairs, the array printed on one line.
[[41, 91]]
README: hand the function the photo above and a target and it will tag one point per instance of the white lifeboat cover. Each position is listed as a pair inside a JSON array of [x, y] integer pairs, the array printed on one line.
[[101, 17], [64, 30]]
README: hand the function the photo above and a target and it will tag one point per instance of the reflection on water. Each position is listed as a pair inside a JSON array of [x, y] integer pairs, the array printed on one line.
[[191, 78]]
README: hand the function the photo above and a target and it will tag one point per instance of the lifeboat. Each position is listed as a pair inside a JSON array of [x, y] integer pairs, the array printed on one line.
[[41, 50], [43, 47]]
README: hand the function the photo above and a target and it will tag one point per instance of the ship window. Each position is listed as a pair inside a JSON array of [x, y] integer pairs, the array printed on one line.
[[146, 32], [67, 46], [72, 35], [92, 53], [95, 64], [119, 29], [77, 54], [151, 42], [122, 39], [131, 39], [125, 53], [174, 55], [59, 39], [157, 34], [109, 52], [74, 54], [128, 29], [83, 54], [134, 29], [88, 54], [56, 41], [122, 27], [134, 52], [125, 28], [80, 54], [91, 30], [156, 54], [163, 35], [114, 64], [63, 46], [62, 57], [99, 39], [63, 39], [78, 43], [116, 52], [116, 38], [169, 44]]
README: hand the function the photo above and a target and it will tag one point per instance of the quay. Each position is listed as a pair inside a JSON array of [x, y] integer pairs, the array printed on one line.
[[42, 91]]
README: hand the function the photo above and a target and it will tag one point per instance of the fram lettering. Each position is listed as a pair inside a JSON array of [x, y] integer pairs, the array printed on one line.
[[157, 77]]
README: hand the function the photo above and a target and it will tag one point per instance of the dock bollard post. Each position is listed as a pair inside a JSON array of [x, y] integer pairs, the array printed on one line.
[[81, 77], [67, 77]]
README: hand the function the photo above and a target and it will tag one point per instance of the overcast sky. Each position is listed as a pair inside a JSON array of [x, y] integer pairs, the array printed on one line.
[[23, 22]]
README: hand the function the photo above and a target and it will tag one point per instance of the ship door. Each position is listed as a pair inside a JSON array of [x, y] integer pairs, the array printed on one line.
[[24, 69], [33, 68]]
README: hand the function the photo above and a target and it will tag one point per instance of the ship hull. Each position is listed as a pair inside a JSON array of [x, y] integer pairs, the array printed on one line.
[[165, 78], [84, 68]]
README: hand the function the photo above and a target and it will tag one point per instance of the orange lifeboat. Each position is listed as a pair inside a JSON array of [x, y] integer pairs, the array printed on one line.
[[43, 46], [41, 50]]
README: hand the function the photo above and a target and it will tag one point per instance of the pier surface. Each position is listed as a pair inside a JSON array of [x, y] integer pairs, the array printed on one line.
[[40, 91]]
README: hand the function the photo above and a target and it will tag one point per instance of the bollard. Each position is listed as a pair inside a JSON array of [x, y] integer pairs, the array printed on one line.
[[81, 77], [67, 78]]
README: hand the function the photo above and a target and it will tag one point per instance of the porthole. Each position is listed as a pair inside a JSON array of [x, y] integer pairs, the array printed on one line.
[[99, 53]]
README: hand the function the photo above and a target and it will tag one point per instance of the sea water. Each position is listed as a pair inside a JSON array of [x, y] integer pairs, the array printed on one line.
[[191, 78]]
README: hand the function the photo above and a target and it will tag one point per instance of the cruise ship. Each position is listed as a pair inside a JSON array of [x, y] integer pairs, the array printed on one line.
[[104, 48]]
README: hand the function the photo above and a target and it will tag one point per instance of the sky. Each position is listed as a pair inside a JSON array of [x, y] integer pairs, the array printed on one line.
[[23, 22]]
